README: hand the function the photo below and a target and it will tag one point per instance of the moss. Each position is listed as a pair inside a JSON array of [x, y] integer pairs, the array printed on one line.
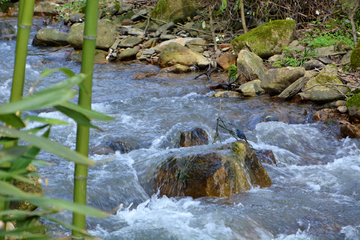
[[263, 37], [353, 101], [173, 10], [117, 5], [355, 57]]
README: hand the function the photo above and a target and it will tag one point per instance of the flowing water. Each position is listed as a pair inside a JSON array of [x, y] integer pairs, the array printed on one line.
[[315, 185]]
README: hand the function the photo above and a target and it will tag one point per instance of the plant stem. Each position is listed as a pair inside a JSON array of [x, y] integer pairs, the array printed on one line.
[[82, 137]]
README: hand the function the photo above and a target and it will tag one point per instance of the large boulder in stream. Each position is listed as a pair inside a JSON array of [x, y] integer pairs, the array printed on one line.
[[106, 34], [278, 79], [175, 53], [326, 86], [233, 168], [267, 39]]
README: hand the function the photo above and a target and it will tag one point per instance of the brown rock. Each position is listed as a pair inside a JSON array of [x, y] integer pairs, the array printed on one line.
[[351, 131], [193, 137], [224, 61], [231, 169], [324, 114], [266, 156], [127, 22], [101, 150], [142, 76]]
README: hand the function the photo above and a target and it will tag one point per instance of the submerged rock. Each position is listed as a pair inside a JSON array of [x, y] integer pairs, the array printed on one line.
[[350, 131], [194, 137], [6, 28], [231, 169]]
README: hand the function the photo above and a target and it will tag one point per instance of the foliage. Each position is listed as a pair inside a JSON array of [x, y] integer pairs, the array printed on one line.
[[317, 39], [294, 58], [15, 159]]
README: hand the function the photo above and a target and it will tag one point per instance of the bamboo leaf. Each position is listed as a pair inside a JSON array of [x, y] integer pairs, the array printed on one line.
[[35, 150], [15, 175], [50, 121], [48, 71], [12, 120], [78, 117], [13, 153], [37, 101], [74, 207], [46, 145], [36, 129], [6, 140], [20, 163], [40, 163], [67, 84], [90, 113]]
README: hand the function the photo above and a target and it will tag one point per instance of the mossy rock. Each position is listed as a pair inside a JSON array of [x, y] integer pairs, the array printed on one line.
[[34, 188], [174, 10], [355, 57], [268, 39], [221, 172]]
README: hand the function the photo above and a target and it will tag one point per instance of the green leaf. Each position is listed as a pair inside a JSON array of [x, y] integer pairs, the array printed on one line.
[[20, 163], [12, 120], [15, 175], [90, 113], [48, 71], [5, 140], [35, 150], [37, 101], [74, 207], [40, 163], [47, 145], [78, 117], [50, 121], [67, 84], [13, 153]]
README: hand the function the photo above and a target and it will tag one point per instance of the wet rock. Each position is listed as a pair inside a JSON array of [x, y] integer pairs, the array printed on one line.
[[100, 56], [6, 28], [175, 53], [264, 40], [324, 114], [321, 88], [270, 118], [121, 146], [76, 17], [33, 188], [140, 15], [194, 137], [226, 60], [250, 65], [173, 10], [128, 54], [50, 37], [227, 94], [106, 34], [312, 64], [143, 76], [266, 156], [130, 42], [293, 89], [251, 89], [231, 169], [351, 131], [277, 80], [45, 8], [101, 150]]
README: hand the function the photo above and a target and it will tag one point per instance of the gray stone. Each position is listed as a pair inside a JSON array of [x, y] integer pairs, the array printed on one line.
[[342, 109], [325, 51], [6, 28], [252, 88], [123, 8], [276, 80], [250, 65], [130, 42], [346, 58], [149, 52], [138, 16], [175, 53], [161, 29], [325, 60], [128, 54], [135, 32], [112, 8], [106, 34], [167, 37], [227, 94], [151, 42], [275, 58], [312, 64], [293, 89], [50, 37], [45, 8]]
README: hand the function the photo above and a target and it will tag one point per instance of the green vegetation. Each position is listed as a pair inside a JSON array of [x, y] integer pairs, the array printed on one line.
[[232, 72], [294, 58], [317, 39]]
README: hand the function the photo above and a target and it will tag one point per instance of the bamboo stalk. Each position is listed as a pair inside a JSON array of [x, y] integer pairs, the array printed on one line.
[[82, 137], [22, 39]]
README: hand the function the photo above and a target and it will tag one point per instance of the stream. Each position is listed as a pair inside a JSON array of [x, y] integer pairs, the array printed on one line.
[[315, 184]]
